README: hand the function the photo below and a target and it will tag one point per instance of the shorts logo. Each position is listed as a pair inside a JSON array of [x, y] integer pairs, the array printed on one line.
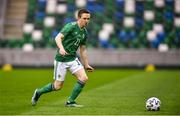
[[59, 76]]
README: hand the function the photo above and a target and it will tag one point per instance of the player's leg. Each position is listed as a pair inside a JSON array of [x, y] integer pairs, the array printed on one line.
[[78, 70], [38, 92], [59, 76], [81, 80]]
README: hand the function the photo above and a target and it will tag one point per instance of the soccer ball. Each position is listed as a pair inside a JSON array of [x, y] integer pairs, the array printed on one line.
[[153, 104]]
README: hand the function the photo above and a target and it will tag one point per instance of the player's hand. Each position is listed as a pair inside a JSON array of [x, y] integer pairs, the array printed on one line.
[[89, 68], [63, 52]]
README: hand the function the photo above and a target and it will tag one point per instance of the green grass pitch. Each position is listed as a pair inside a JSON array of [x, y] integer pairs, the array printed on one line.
[[108, 92]]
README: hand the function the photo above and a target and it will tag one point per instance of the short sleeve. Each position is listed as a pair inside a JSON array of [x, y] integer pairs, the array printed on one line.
[[85, 38], [66, 29]]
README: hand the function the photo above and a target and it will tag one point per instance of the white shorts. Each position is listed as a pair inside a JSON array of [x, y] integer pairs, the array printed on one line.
[[60, 68]]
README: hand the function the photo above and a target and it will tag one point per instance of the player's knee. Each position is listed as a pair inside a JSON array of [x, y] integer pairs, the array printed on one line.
[[83, 79], [58, 86]]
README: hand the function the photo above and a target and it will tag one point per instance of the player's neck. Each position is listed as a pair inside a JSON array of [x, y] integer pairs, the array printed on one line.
[[79, 25]]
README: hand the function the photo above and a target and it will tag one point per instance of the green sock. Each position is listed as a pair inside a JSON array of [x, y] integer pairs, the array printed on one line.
[[47, 88], [76, 91]]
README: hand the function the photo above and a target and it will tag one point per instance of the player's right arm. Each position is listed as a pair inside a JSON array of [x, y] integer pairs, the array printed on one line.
[[58, 40]]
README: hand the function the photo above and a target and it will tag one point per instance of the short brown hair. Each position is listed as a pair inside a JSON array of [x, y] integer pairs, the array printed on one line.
[[81, 11]]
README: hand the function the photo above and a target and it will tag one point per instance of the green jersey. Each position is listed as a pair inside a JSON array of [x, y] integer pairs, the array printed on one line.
[[74, 36]]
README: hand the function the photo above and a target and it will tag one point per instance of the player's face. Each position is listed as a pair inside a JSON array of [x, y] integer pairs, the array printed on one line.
[[84, 19]]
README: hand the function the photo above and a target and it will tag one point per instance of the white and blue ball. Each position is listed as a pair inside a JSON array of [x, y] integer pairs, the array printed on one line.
[[153, 104]]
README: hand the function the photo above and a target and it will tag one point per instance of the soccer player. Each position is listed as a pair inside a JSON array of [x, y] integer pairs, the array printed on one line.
[[70, 38]]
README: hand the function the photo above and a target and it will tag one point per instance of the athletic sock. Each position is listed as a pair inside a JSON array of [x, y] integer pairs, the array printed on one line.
[[76, 90], [47, 88]]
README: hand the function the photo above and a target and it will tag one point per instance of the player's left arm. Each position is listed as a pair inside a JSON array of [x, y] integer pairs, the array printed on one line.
[[83, 53]]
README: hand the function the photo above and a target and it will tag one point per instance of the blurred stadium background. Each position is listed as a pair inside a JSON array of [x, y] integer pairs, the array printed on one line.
[[121, 32]]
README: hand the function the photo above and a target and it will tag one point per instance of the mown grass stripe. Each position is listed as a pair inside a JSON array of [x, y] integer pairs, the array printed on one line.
[[52, 107]]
